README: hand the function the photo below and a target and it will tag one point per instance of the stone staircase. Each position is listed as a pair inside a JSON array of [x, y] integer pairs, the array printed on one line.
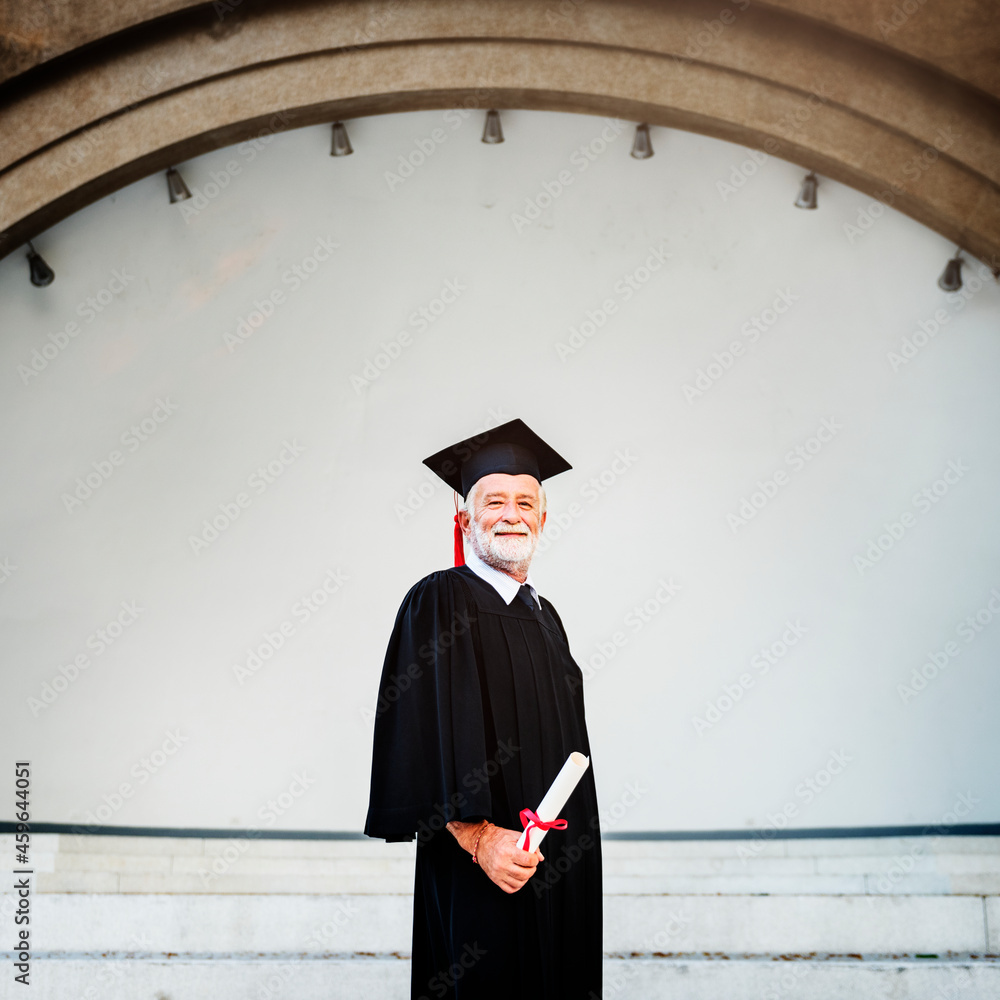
[[173, 918]]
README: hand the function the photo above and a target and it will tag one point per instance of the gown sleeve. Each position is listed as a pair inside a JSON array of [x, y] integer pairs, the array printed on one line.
[[429, 734]]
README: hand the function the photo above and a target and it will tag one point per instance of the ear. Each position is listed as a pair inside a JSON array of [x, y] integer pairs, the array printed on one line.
[[464, 520], [541, 523]]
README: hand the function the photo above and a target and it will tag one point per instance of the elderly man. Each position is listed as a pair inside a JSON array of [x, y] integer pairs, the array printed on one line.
[[480, 703]]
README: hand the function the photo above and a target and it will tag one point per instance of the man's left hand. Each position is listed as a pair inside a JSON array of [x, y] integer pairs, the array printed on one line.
[[506, 864]]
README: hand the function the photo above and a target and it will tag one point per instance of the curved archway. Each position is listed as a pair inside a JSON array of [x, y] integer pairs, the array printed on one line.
[[125, 93]]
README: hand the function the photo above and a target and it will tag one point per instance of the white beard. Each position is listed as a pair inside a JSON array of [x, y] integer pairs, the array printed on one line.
[[510, 553]]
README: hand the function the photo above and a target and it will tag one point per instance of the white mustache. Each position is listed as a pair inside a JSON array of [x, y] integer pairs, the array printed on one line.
[[509, 531]]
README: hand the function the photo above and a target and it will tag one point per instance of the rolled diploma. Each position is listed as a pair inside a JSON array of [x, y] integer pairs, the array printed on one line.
[[556, 797]]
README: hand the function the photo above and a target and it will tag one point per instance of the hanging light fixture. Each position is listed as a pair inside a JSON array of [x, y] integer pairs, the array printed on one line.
[[642, 146], [41, 273], [492, 131], [807, 193], [176, 186], [341, 145], [951, 277]]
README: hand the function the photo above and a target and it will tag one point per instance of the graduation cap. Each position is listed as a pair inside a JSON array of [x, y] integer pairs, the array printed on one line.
[[513, 448]]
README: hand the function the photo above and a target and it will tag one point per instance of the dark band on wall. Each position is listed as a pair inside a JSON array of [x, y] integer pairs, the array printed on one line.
[[816, 833]]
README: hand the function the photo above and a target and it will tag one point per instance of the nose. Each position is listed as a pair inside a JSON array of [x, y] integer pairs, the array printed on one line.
[[511, 513]]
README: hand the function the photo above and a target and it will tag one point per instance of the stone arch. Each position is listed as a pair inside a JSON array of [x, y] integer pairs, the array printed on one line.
[[896, 100]]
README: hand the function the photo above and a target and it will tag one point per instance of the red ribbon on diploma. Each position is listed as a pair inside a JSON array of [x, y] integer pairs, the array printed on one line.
[[529, 819]]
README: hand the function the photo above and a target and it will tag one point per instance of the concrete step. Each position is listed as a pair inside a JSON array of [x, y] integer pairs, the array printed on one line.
[[387, 978], [287, 864], [875, 866], [239, 917], [363, 847], [300, 881], [690, 924]]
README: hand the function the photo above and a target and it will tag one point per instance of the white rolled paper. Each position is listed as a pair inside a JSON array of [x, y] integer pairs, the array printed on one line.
[[555, 798]]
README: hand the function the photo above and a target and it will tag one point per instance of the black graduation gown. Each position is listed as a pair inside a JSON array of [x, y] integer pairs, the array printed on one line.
[[480, 704]]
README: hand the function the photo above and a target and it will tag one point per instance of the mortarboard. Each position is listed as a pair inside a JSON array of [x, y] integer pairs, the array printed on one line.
[[513, 448]]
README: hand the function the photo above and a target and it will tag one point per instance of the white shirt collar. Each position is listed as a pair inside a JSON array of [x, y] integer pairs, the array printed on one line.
[[506, 586]]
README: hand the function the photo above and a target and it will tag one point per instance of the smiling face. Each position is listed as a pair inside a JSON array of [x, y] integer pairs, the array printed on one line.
[[504, 521]]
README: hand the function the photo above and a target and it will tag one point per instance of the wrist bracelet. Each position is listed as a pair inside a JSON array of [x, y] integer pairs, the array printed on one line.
[[475, 847]]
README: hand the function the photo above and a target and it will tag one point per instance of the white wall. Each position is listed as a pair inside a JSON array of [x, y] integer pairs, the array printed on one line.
[[193, 272]]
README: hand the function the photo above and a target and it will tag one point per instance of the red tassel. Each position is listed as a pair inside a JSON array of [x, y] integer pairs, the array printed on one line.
[[459, 547]]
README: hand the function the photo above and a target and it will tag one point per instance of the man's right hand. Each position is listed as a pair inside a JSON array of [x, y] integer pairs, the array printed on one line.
[[503, 861]]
